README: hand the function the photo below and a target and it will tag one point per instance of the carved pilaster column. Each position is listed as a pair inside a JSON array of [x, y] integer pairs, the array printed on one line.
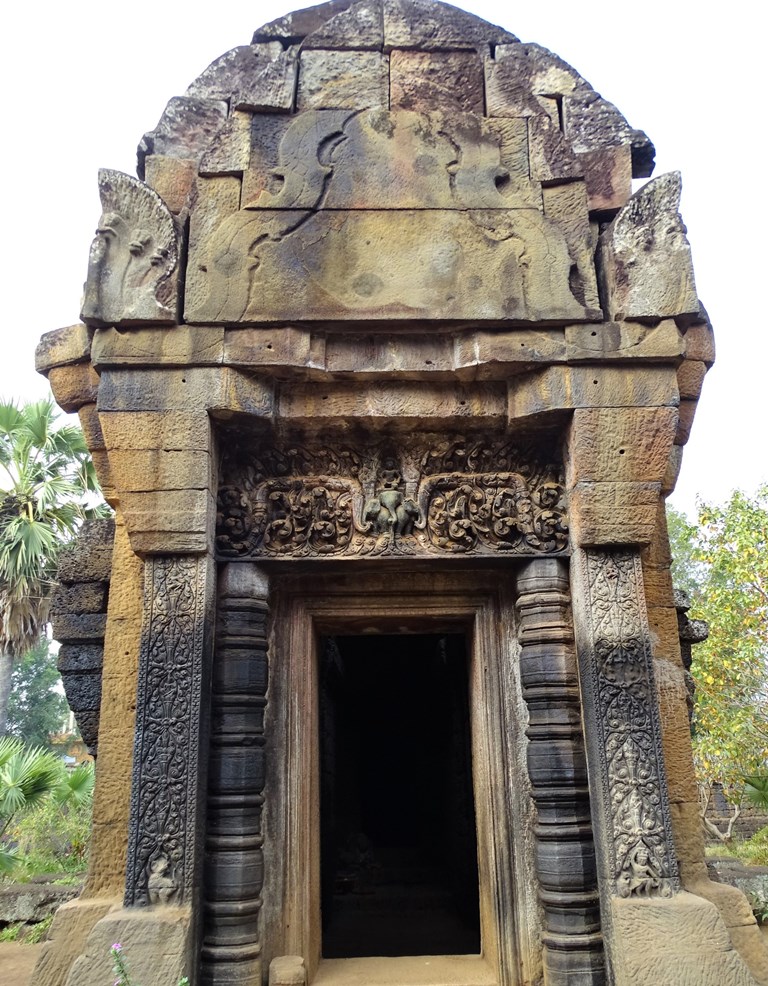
[[234, 855], [630, 802], [565, 854], [168, 784]]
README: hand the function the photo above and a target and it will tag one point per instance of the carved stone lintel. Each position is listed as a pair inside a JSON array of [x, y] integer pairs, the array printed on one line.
[[234, 869], [565, 852], [636, 857], [132, 269], [460, 497], [164, 847]]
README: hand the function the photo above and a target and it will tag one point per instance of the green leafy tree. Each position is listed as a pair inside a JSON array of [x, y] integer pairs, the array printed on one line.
[[727, 564], [47, 488], [27, 776], [36, 707]]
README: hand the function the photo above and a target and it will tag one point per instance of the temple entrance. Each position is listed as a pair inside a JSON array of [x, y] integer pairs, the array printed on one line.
[[397, 831]]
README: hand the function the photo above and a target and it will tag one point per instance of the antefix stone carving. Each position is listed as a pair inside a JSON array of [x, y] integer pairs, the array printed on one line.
[[132, 272], [463, 497]]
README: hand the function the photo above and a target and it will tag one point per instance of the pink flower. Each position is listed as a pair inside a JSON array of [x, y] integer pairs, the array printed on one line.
[[117, 947]]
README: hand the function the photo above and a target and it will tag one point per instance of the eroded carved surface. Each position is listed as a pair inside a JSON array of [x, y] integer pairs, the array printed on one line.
[[455, 497], [645, 259], [162, 833], [391, 214], [132, 265], [626, 721]]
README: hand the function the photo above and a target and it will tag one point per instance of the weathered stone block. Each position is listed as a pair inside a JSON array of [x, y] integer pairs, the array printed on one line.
[[512, 135], [428, 25], [690, 378], [187, 344], [566, 205], [235, 72], [506, 93], [186, 129], [567, 387], [591, 122], [608, 176], [231, 152], [439, 80], [685, 421], [700, 343], [674, 464], [613, 513], [199, 387], [360, 27], [411, 404], [551, 156], [262, 176], [159, 942], [66, 939], [620, 444], [157, 429], [624, 341], [343, 80], [691, 944], [73, 386], [80, 597], [374, 264], [297, 25], [80, 626], [63, 347], [149, 469], [287, 970], [172, 178], [89, 557], [214, 200], [644, 260], [80, 658]]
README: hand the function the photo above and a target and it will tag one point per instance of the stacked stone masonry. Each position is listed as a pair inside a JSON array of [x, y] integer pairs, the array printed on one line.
[[381, 319]]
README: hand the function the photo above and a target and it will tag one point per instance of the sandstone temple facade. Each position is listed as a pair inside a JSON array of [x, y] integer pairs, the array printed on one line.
[[386, 373]]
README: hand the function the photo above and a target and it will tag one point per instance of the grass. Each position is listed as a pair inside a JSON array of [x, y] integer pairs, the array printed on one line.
[[27, 934]]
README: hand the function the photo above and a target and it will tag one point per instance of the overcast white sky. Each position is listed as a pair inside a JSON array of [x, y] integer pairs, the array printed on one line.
[[83, 80]]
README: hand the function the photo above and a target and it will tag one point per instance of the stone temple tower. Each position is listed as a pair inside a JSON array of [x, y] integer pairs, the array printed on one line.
[[386, 374]]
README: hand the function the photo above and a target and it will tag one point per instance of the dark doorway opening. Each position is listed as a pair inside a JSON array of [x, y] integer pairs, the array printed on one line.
[[397, 831]]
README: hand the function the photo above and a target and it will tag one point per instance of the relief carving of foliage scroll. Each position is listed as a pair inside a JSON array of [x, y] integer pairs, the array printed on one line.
[[627, 722], [162, 832], [454, 497]]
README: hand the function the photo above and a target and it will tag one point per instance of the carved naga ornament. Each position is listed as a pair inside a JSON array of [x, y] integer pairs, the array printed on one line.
[[132, 267]]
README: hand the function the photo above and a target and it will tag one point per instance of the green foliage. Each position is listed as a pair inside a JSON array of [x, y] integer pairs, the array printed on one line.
[[752, 851], [44, 811], [687, 571], [12, 932], [39, 931], [728, 565], [35, 708], [756, 790], [47, 485]]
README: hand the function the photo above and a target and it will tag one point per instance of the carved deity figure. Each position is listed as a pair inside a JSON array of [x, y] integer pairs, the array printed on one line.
[[389, 511], [641, 875], [161, 885]]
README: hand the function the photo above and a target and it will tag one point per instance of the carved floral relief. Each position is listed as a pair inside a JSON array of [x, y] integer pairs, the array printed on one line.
[[459, 498], [626, 716]]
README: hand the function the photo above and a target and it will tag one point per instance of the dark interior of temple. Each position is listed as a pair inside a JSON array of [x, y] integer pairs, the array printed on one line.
[[398, 842]]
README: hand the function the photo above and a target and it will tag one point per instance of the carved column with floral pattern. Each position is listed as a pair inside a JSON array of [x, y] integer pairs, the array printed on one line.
[[165, 845], [630, 801]]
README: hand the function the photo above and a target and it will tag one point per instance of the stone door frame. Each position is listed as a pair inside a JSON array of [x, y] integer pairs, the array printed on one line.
[[401, 600]]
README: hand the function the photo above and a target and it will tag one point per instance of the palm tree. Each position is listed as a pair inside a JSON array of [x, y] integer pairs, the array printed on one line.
[[27, 775], [47, 488]]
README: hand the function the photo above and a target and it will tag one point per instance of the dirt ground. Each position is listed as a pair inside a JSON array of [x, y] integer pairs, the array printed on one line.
[[17, 962]]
